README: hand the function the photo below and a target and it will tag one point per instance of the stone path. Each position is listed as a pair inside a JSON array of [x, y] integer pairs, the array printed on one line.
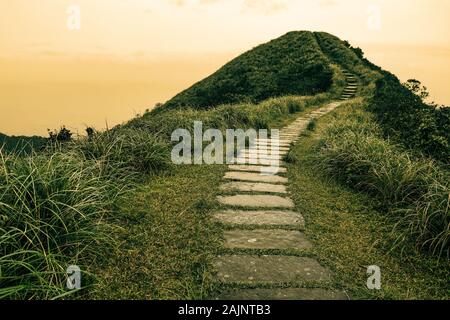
[[260, 216]]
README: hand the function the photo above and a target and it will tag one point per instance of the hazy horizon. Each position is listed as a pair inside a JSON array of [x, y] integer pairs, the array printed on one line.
[[127, 56]]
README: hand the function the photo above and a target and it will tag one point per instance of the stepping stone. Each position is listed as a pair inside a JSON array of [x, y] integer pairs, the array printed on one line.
[[261, 162], [242, 158], [257, 201], [265, 151], [263, 218], [297, 294], [266, 239], [262, 154], [247, 269], [261, 169], [268, 150], [261, 144], [271, 142], [255, 177], [253, 187]]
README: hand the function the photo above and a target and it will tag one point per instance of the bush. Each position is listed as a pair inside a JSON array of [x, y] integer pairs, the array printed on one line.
[[312, 125], [127, 150], [53, 213], [415, 191], [406, 118]]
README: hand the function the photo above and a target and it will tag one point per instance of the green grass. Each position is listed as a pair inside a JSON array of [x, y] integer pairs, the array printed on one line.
[[54, 212], [350, 232], [169, 238], [415, 191]]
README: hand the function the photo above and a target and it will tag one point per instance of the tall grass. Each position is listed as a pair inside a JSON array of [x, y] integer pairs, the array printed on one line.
[[126, 150], [239, 116], [414, 190], [53, 213]]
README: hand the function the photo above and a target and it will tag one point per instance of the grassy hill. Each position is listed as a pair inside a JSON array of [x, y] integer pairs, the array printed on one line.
[[140, 227], [290, 65], [21, 144]]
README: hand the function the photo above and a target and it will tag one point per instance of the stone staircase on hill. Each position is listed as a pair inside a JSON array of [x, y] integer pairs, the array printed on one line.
[[261, 218]]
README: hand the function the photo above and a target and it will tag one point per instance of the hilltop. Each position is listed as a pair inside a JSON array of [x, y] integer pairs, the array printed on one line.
[[290, 65]]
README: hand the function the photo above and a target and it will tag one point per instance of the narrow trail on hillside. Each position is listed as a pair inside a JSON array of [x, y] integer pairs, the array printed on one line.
[[262, 228]]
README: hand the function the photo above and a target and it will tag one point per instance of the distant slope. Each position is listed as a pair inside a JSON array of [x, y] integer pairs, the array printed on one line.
[[290, 65], [21, 144]]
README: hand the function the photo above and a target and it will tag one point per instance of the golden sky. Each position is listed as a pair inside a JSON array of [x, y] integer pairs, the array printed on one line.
[[129, 54]]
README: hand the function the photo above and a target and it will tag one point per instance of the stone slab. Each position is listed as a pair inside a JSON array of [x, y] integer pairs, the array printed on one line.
[[248, 269], [253, 187], [263, 218], [254, 177], [262, 162], [260, 169], [266, 239], [297, 294], [256, 201]]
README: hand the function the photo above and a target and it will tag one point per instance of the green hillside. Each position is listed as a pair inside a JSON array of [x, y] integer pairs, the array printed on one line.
[[290, 65], [21, 144], [370, 178]]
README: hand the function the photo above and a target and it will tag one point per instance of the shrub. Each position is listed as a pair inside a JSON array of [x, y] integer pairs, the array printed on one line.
[[312, 125], [415, 191], [53, 213], [406, 118], [128, 150]]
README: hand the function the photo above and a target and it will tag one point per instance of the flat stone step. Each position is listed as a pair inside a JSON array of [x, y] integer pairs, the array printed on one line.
[[289, 133], [262, 148], [260, 162], [272, 142], [260, 169], [255, 177], [266, 239], [253, 187], [256, 201], [263, 218], [295, 294], [261, 144], [262, 155], [247, 269]]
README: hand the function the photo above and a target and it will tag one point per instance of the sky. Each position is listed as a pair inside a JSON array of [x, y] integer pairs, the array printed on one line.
[[101, 62]]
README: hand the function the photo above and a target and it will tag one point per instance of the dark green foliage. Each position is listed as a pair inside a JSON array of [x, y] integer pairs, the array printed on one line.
[[21, 145], [90, 133], [290, 65], [399, 109], [312, 125], [415, 191], [406, 117], [63, 135]]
